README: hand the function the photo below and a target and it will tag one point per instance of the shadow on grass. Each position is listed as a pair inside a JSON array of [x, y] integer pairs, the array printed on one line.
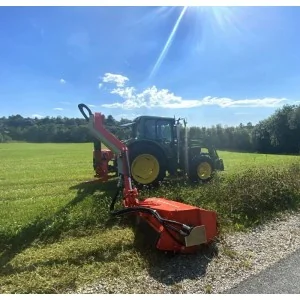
[[79, 260], [43, 229], [171, 270], [168, 268]]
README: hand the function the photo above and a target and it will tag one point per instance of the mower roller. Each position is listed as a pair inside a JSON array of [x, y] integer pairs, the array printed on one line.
[[169, 225]]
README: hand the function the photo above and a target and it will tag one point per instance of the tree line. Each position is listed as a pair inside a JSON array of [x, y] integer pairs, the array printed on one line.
[[279, 133]]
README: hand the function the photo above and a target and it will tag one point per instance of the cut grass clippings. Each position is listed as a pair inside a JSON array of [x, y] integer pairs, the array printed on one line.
[[56, 233]]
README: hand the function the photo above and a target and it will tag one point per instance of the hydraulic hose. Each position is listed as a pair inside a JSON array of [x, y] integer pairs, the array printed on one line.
[[167, 224], [114, 199], [185, 230], [81, 106]]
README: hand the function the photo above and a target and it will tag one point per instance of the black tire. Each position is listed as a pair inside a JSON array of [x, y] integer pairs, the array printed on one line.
[[146, 149], [193, 168]]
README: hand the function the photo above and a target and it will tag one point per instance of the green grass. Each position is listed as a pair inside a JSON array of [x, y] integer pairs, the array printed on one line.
[[56, 233]]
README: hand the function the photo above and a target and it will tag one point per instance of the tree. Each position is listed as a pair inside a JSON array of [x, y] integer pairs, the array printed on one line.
[[280, 133]]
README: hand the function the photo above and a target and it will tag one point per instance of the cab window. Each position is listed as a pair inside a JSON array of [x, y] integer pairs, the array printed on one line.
[[164, 130], [149, 130]]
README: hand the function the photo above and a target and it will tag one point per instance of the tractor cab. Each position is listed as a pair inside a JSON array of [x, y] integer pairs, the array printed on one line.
[[159, 129]]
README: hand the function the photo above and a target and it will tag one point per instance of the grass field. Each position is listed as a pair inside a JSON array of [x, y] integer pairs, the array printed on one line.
[[55, 231]]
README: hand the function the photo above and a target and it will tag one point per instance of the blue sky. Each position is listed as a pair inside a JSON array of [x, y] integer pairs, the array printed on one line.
[[212, 65]]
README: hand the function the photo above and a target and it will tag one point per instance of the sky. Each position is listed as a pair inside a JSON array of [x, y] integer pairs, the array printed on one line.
[[211, 65]]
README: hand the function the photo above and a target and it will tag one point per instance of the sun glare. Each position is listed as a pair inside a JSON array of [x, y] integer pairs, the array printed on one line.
[[168, 43], [221, 22]]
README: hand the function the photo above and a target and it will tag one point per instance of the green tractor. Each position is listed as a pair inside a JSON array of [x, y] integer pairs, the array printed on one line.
[[160, 145]]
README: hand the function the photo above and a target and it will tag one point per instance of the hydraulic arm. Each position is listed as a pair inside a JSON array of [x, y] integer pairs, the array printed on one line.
[[169, 225]]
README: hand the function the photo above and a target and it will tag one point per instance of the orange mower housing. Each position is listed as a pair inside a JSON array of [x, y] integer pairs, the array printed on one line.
[[204, 220]]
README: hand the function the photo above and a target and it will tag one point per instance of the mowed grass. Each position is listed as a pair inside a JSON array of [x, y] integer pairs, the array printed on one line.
[[55, 230]]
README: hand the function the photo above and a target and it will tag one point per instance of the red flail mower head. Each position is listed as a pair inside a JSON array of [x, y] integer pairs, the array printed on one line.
[[170, 225], [184, 228]]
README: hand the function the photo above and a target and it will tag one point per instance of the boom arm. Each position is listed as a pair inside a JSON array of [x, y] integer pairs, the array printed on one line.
[[96, 126]]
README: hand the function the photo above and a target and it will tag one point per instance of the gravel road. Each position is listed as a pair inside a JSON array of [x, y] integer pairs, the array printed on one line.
[[240, 255]]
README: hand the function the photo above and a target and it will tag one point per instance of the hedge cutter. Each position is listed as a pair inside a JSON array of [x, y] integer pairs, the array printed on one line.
[[169, 225]]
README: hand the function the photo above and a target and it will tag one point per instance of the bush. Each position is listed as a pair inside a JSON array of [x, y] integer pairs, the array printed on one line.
[[244, 199], [253, 196]]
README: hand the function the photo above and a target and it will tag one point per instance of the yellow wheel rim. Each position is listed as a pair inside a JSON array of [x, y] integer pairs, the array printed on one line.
[[145, 168], [204, 170]]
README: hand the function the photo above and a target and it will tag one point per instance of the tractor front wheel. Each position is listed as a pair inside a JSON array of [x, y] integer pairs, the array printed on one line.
[[147, 165], [201, 168]]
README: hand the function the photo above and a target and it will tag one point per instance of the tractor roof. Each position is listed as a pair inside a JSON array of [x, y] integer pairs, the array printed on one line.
[[137, 119], [152, 117]]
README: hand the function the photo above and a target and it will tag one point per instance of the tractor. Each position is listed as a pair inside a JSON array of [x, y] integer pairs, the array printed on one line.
[[160, 145]]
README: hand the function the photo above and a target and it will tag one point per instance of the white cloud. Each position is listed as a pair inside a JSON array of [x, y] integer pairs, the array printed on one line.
[[58, 108], [37, 116], [119, 80], [152, 97], [62, 81], [91, 105]]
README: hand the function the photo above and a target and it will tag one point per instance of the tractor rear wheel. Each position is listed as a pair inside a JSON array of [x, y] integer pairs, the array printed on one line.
[[201, 169], [147, 165]]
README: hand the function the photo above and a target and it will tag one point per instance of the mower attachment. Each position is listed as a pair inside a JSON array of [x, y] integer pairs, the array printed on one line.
[[172, 226], [182, 227]]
